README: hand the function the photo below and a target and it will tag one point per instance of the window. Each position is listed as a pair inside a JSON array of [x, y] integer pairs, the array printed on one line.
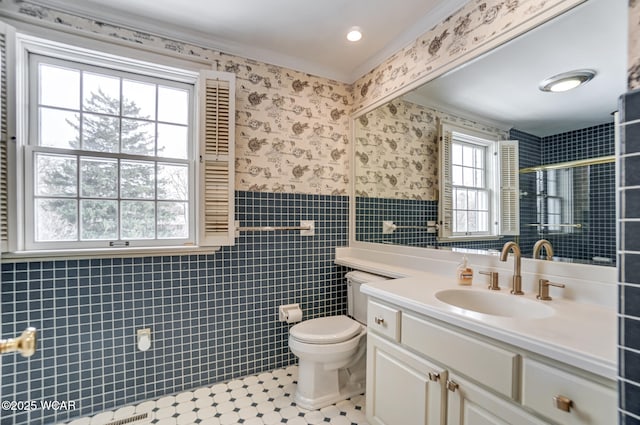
[[470, 187], [555, 201], [561, 196], [478, 185], [118, 153], [109, 158]]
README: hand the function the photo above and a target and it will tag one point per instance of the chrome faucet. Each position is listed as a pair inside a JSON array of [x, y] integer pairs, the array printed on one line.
[[543, 243], [516, 287]]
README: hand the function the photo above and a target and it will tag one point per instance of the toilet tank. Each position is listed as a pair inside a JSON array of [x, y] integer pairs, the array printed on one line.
[[356, 300]]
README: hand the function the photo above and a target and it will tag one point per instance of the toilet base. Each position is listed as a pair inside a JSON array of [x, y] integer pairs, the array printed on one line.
[[321, 388]]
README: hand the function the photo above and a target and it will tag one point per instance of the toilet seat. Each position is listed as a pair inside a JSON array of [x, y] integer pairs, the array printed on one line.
[[326, 330]]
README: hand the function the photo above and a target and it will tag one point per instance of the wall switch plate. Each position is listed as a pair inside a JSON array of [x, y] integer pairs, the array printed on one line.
[[312, 228]]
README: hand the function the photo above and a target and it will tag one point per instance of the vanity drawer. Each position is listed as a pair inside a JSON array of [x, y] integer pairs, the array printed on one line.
[[591, 403], [384, 320], [492, 366]]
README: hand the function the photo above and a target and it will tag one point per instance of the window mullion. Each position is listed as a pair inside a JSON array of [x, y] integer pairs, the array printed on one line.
[[81, 145], [119, 182], [121, 108], [155, 198], [119, 201], [78, 209], [155, 150], [97, 154], [80, 112]]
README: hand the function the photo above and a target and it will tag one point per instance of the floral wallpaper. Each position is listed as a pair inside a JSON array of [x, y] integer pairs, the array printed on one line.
[[396, 150], [293, 128], [461, 37]]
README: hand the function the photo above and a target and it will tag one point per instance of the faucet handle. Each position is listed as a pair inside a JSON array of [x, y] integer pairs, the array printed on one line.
[[543, 289], [493, 280]]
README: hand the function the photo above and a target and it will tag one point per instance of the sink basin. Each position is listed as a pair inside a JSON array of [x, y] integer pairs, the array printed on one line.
[[495, 304]]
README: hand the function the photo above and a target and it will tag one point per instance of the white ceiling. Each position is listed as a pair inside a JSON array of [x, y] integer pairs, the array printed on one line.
[[308, 36], [502, 86]]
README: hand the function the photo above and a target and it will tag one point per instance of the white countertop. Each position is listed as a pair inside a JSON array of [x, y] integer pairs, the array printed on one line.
[[583, 335]]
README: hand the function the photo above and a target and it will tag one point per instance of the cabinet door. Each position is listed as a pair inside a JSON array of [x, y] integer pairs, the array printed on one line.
[[468, 404], [402, 389]]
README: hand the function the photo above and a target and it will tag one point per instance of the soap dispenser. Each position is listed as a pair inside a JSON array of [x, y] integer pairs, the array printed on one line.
[[464, 273]]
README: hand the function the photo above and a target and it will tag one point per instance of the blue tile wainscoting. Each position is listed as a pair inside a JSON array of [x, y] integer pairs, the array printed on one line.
[[371, 212], [629, 261], [213, 317], [596, 239]]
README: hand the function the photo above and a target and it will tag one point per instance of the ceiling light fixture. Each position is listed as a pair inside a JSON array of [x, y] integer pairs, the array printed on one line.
[[354, 34], [567, 80]]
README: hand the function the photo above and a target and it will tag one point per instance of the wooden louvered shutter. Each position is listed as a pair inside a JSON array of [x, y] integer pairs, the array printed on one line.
[[509, 188], [445, 201], [217, 158], [6, 41]]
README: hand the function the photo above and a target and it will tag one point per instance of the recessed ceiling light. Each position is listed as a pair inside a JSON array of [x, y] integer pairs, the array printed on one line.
[[567, 80], [354, 34]]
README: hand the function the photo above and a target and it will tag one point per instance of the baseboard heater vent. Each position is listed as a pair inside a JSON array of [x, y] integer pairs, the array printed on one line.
[[129, 420]]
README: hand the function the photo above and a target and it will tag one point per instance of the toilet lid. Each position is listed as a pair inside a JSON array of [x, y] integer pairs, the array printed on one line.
[[326, 330]]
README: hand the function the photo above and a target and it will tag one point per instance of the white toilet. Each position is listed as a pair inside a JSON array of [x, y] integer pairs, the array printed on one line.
[[331, 350]]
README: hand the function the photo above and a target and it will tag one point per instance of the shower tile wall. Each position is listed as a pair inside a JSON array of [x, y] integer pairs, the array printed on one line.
[[629, 261], [585, 143], [213, 317], [590, 142], [530, 152]]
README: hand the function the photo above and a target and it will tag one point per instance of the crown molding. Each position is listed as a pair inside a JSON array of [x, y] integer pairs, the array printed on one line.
[[437, 15], [198, 38], [194, 37]]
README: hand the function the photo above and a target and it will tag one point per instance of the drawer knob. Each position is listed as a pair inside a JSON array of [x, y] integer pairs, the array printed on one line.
[[563, 403], [379, 320], [434, 376], [452, 385]]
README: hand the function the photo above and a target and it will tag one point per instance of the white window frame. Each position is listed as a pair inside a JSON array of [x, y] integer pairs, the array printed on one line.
[[32, 148], [501, 182], [487, 185], [200, 238]]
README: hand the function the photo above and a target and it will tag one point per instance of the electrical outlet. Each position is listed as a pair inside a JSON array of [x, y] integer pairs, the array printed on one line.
[[143, 340]]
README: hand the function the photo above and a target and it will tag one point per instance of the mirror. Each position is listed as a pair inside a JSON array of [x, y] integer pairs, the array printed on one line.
[[566, 140]]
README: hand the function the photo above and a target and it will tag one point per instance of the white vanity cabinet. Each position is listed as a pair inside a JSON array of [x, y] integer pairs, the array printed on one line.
[[402, 388], [424, 371]]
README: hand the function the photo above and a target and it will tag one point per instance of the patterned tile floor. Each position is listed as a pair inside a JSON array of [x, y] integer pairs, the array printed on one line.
[[256, 400]]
